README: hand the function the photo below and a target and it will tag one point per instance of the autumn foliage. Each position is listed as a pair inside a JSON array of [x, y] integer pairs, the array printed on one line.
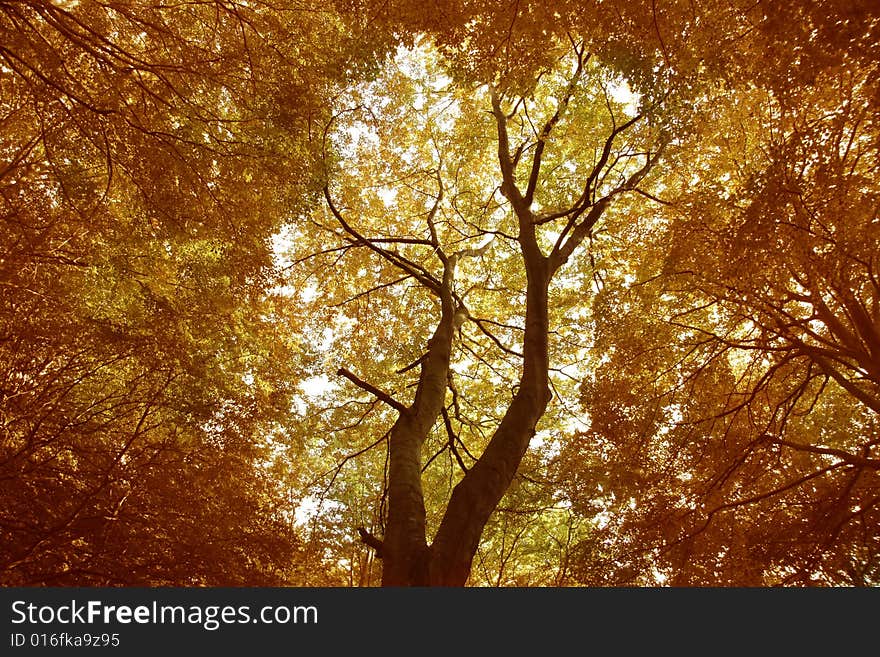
[[405, 293]]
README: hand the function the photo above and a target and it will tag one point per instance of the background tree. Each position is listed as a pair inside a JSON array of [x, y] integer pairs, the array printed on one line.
[[749, 458], [146, 373]]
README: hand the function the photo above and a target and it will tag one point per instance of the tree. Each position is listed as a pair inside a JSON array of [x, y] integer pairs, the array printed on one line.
[[748, 458], [658, 437], [146, 373], [447, 165]]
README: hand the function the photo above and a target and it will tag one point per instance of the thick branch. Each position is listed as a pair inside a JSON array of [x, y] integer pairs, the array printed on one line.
[[850, 386], [368, 539], [384, 396], [416, 271], [476, 496], [508, 171], [548, 128], [846, 457], [564, 247]]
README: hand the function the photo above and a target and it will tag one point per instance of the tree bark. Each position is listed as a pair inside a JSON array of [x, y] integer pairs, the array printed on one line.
[[405, 551], [477, 495]]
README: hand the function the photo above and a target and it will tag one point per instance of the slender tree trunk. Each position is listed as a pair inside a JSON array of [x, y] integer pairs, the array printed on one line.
[[405, 551]]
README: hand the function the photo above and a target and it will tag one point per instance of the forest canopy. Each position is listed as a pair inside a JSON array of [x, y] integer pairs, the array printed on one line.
[[449, 293]]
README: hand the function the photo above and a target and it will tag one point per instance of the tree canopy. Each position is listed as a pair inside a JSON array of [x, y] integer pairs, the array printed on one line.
[[531, 293]]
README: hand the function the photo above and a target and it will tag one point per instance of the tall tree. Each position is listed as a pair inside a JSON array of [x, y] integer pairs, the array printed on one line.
[[504, 178]]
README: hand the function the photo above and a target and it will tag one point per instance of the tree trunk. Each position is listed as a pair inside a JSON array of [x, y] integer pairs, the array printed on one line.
[[404, 548], [477, 495], [448, 561], [407, 559]]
